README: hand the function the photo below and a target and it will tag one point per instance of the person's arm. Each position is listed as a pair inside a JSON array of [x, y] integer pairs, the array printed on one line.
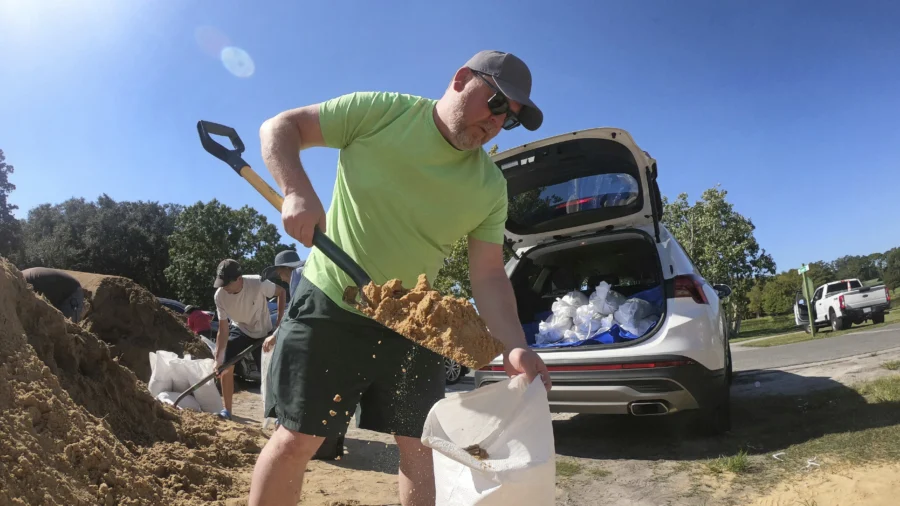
[[335, 123], [221, 337], [496, 304], [281, 296], [282, 137]]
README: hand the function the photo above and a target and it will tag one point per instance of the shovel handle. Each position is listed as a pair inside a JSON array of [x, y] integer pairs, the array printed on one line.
[[233, 158]]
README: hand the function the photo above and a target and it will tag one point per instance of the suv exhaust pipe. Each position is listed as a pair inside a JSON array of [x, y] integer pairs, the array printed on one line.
[[647, 408]]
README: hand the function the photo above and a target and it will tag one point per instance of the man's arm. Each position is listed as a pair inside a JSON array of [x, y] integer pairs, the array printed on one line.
[[496, 303], [279, 291], [282, 137], [221, 339]]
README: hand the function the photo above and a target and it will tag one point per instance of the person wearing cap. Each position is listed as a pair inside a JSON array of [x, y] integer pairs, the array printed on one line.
[[244, 300], [412, 178]]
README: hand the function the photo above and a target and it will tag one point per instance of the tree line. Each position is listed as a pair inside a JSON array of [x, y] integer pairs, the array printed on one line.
[[173, 250]]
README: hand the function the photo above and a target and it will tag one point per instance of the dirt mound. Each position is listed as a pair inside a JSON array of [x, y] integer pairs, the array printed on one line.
[[130, 319], [78, 428], [448, 326]]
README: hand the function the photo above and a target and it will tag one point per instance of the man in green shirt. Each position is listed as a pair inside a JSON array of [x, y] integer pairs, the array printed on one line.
[[412, 178]]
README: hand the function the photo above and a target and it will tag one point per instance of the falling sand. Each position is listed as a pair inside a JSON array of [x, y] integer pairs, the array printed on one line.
[[446, 325]]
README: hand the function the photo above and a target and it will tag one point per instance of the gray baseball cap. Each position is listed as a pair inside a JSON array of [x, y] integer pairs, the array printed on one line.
[[514, 80]]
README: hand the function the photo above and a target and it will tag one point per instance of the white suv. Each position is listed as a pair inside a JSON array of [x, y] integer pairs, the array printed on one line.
[[585, 207]]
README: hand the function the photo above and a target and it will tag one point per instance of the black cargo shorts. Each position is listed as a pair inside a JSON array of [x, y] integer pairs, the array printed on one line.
[[327, 360]]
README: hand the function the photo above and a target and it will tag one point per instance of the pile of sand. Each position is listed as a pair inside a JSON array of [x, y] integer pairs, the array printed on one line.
[[130, 319], [76, 427], [446, 325]]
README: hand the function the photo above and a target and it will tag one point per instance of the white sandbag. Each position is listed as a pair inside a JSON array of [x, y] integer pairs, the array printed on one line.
[[570, 336], [511, 421], [169, 373], [590, 329], [640, 327], [552, 329], [633, 310], [189, 401], [566, 306], [605, 299], [585, 313]]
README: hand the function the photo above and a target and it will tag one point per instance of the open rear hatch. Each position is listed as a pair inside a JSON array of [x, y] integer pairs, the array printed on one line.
[[578, 205], [578, 183]]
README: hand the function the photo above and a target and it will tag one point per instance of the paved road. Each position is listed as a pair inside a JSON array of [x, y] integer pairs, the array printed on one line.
[[819, 350]]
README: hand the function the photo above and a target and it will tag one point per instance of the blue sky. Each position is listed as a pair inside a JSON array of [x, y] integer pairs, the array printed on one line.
[[790, 106]]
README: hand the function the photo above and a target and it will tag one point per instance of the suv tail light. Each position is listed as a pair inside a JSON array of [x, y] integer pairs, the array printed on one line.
[[690, 285], [887, 294], [841, 301]]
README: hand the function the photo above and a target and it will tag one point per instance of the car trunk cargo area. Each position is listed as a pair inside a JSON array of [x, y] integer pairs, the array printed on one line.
[[601, 291]]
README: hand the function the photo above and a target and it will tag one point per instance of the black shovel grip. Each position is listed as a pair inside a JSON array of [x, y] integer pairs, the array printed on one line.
[[230, 156], [340, 258]]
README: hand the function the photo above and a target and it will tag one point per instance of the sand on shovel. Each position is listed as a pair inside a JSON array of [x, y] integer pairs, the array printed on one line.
[[132, 321], [78, 428], [446, 325]]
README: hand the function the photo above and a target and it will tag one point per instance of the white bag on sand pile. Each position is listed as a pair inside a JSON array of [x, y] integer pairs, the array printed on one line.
[[605, 300], [189, 401], [169, 373], [510, 420]]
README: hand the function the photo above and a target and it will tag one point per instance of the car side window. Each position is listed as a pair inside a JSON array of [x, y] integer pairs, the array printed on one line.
[[817, 295]]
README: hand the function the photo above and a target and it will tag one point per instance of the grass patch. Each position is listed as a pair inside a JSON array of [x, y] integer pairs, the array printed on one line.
[[568, 468], [598, 472], [893, 365], [825, 333], [766, 326], [736, 464]]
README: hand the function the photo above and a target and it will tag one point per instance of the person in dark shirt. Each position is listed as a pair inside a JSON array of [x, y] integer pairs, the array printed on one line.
[[62, 290]]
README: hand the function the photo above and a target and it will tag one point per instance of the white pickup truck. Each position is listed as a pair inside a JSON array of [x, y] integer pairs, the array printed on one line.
[[843, 303]]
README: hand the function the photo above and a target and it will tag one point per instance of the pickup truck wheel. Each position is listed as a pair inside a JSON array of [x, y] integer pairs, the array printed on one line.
[[837, 323], [878, 318]]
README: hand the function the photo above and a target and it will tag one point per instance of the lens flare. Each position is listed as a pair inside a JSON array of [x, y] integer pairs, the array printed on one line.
[[237, 61]]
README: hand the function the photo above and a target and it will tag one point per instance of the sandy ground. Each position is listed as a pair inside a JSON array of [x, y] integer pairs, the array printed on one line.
[[628, 461]]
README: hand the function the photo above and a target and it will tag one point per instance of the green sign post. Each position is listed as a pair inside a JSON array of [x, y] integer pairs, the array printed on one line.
[[807, 294]]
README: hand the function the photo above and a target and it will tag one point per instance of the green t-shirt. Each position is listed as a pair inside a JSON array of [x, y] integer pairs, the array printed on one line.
[[403, 195]]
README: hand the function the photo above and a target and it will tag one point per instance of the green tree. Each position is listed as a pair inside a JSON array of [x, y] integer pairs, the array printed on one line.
[[127, 239], [863, 268], [207, 233], [754, 299], [721, 243], [780, 292], [892, 269], [10, 227]]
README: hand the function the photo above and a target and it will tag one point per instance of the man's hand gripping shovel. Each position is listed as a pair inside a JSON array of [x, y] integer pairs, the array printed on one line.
[[331, 250]]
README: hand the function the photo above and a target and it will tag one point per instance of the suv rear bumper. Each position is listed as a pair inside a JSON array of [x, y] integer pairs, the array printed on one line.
[[859, 314], [677, 388]]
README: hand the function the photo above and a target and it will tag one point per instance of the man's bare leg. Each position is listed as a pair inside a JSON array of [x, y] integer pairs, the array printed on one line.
[[278, 474], [416, 473], [227, 381]]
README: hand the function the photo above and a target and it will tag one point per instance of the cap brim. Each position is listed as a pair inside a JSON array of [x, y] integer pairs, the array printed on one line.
[[530, 116], [219, 283]]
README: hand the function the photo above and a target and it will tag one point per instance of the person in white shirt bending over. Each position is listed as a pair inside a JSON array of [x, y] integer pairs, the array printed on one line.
[[244, 301]]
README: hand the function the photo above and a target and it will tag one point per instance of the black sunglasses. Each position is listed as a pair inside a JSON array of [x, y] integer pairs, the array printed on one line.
[[499, 104]]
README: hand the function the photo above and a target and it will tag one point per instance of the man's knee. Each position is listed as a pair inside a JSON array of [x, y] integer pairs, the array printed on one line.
[[295, 445]]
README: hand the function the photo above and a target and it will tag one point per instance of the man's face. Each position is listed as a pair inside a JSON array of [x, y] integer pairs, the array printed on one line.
[[235, 286], [472, 124]]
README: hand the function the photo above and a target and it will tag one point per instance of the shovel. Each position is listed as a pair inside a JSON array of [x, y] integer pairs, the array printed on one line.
[[331, 250]]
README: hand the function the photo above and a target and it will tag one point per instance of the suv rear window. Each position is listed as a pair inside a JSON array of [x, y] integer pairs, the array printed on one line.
[[574, 196]]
